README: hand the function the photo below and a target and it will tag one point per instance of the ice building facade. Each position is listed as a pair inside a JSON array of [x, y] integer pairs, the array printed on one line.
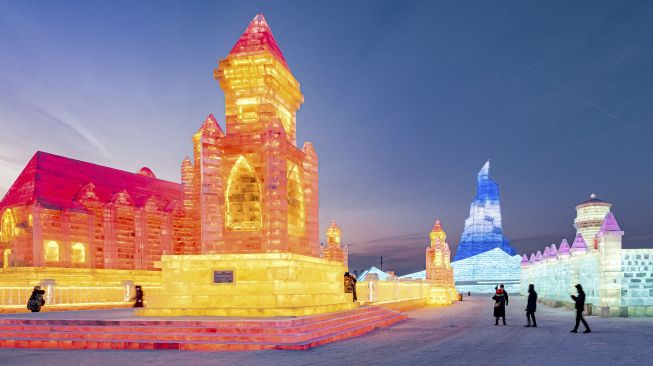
[[484, 257], [239, 235], [617, 281]]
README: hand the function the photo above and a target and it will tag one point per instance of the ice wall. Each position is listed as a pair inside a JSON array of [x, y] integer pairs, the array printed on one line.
[[482, 272]]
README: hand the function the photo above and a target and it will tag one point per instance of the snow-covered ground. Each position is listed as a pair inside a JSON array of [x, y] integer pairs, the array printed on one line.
[[463, 334]]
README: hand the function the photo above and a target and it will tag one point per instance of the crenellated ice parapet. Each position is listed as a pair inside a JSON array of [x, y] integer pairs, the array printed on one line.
[[483, 229]]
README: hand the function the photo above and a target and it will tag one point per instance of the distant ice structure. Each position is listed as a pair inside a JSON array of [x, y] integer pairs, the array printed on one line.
[[482, 272], [382, 276], [484, 258], [421, 275], [483, 230]]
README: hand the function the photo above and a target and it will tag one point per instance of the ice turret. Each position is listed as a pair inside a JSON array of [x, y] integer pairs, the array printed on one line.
[[545, 254], [610, 225], [553, 252], [564, 250], [524, 260], [578, 246]]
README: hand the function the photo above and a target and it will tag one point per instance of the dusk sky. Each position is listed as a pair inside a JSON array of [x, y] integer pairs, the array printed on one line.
[[404, 102]]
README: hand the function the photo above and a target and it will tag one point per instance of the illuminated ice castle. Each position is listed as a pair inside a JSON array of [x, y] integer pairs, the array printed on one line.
[[484, 257], [617, 281]]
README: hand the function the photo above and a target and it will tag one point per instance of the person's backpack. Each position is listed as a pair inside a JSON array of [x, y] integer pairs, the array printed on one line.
[[33, 304]]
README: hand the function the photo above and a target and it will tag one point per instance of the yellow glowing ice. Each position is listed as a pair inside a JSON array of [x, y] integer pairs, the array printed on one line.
[[51, 251], [243, 198], [6, 255], [296, 215], [264, 284], [8, 226], [78, 253]]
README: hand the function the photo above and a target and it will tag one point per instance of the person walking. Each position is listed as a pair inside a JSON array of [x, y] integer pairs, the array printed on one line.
[[531, 305], [138, 297], [499, 305], [36, 300], [580, 305]]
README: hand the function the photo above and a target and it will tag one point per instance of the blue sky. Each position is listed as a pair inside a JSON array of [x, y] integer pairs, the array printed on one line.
[[404, 101]]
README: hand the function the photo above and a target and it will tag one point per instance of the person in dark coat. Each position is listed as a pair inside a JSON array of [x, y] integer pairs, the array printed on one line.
[[505, 293], [531, 305], [500, 305], [138, 297], [36, 300], [350, 285], [580, 305]]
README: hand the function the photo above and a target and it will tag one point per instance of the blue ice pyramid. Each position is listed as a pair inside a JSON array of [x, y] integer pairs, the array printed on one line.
[[483, 230]]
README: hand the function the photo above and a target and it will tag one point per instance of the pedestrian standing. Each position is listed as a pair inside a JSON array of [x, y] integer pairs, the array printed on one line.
[[499, 305], [531, 305], [350, 285], [580, 305], [138, 297], [36, 300]]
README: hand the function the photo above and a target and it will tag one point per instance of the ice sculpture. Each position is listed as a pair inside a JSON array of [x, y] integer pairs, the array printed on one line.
[[564, 250], [578, 246], [609, 225], [483, 229], [484, 257], [438, 266], [333, 250], [616, 280], [589, 217], [376, 274]]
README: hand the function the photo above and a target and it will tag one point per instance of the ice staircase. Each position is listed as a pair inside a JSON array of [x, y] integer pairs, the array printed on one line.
[[195, 335]]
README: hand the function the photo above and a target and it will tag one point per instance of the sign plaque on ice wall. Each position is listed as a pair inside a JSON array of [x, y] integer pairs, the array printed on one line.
[[223, 276]]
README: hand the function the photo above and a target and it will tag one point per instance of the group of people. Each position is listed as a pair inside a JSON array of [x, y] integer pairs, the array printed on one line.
[[501, 301]]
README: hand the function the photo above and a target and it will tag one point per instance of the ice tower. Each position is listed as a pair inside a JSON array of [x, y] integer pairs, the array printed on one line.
[[252, 194], [484, 257], [483, 230]]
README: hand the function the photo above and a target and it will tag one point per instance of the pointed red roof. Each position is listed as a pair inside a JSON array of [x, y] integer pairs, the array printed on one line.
[[258, 37], [55, 182], [211, 125], [437, 227]]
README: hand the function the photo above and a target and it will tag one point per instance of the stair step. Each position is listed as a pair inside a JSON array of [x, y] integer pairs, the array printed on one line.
[[129, 334], [230, 335], [18, 342], [234, 327], [240, 323]]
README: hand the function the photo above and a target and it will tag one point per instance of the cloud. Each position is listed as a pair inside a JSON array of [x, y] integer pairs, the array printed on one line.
[[79, 129], [25, 112]]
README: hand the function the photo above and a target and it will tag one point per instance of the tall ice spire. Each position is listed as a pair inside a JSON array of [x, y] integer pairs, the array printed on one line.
[[483, 228]]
